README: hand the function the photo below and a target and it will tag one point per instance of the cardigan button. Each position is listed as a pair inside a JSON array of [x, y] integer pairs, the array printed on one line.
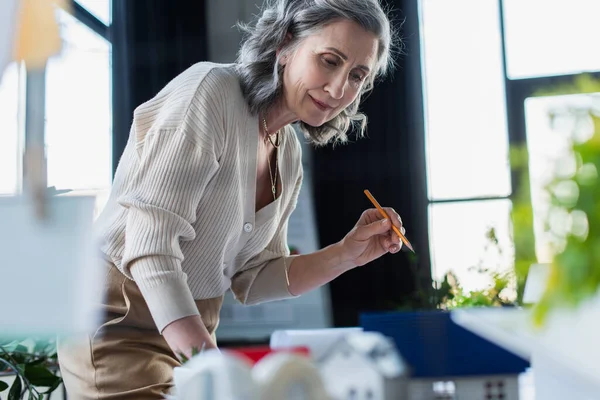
[[248, 227]]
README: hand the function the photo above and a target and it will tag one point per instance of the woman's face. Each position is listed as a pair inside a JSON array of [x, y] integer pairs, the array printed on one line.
[[327, 71]]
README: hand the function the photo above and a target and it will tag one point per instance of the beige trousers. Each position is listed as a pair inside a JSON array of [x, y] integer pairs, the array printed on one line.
[[126, 357]]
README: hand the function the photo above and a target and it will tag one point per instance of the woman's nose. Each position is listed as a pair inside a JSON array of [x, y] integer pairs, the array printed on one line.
[[336, 86]]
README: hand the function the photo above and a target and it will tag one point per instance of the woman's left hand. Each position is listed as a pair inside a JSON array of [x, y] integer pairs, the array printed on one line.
[[372, 237]]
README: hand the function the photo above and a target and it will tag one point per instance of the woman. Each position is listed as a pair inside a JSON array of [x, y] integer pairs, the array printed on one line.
[[207, 182]]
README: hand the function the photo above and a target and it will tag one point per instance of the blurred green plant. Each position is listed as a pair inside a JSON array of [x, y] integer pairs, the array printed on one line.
[[195, 351], [33, 365], [500, 292], [522, 218], [573, 219], [448, 293]]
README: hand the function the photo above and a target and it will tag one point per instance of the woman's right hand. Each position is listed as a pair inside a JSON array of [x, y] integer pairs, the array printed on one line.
[[186, 334]]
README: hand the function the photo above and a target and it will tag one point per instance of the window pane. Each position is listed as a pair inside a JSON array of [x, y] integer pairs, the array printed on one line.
[[10, 88], [78, 111], [99, 8], [467, 142], [458, 240], [551, 37], [547, 144]]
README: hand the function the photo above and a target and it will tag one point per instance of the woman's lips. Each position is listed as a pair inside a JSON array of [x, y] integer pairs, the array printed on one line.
[[321, 106]]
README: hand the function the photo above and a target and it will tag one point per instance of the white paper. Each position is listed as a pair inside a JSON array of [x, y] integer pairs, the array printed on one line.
[[8, 17], [50, 278], [318, 341]]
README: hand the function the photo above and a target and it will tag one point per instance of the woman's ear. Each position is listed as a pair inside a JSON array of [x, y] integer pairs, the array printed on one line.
[[286, 41]]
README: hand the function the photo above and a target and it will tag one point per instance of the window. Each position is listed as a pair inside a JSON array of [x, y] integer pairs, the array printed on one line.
[[465, 86], [466, 142], [78, 112], [98, 8], [551, 37], [467, 145], [458, 233]]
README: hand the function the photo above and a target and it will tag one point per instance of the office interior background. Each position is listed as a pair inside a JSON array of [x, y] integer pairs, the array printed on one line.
[[441, 125]]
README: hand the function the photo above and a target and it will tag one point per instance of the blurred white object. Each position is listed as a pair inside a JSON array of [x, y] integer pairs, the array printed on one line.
[[8, 18], [214, 375], [564, 353], [318, 341], [537, 279], [364, 365], [288, 376], [50, 273]]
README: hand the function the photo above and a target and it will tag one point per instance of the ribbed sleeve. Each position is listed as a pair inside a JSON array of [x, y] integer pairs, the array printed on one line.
[[162, 202], [177, 159]]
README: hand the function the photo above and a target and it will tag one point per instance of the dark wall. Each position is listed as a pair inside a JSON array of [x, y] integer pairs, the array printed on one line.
[[390, 162], [153, 41]]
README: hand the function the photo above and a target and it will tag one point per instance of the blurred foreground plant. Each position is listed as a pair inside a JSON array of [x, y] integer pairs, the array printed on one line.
[[33, 365], [573, 219]]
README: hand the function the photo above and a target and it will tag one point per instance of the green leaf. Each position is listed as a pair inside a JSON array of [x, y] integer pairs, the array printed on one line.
[[21, 349], [183, 357], [45, 347], [19, 358], [3, 386], [5, 341], [39, 375], [38, 361], [15, 389], [21, 368], [9, 347], [54, 386]]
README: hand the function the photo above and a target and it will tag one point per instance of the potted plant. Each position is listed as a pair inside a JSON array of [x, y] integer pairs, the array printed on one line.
[[33, 365]]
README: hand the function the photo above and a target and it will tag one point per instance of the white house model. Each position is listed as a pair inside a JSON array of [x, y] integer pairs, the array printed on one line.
[[364, 366], [289, 376], [213, 375]]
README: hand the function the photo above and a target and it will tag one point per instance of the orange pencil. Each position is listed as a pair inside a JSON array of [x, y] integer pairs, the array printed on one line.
[[384, 215]]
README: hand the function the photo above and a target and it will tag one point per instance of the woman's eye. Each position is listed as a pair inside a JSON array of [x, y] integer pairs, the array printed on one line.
[[357, 77], [330, 61]]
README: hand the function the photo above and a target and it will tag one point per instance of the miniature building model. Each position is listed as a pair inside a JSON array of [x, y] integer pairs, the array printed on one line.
[[364, 365], [288, 376], [440, 352], [212, 375]]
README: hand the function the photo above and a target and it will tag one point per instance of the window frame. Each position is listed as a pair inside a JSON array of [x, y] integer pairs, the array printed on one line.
[[35, 88], [516, 91]]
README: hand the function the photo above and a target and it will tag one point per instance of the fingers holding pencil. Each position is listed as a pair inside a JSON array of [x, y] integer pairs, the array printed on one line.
[[378, 231], [394, 241], [393, 216]]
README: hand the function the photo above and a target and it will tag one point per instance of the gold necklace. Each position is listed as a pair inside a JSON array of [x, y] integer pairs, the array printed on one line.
[[276, 145], [268, 136], [274, 180]]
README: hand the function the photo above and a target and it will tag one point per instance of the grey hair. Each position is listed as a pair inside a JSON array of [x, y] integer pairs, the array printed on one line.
[[258, 62]]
